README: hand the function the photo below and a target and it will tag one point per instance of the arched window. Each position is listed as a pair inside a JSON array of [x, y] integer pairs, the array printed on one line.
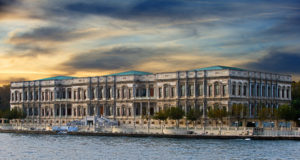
[[258, 90], [274, 91], [283, 92], [245, 90], [123, 94], [233, 89], [240, 89], [12, 97], [263, 91], [123, 111]]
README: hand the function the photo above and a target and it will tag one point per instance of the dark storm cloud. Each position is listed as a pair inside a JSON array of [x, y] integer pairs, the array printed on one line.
[[287, 27], [277, 62], [47, 34], [116, 58], [139, 10], [6, 4]]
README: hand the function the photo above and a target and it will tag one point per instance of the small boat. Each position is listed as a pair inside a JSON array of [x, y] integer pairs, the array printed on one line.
[[247, 139], [62, 132]]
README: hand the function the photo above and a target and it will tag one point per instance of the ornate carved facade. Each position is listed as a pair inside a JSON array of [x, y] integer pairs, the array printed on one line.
[[129, 95]]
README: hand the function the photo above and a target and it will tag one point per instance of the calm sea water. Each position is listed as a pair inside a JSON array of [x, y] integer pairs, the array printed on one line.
[[25, 146]]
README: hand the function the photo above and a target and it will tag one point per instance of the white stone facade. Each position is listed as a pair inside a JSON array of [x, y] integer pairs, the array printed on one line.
[[127, 97]]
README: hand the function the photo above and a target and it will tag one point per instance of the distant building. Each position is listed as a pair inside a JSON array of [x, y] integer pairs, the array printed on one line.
[[128, 95]]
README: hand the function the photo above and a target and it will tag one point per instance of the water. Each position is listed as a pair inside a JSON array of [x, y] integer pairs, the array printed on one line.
[[25, 146]]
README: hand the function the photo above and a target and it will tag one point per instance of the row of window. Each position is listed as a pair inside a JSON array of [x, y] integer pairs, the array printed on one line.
[[166, 91]]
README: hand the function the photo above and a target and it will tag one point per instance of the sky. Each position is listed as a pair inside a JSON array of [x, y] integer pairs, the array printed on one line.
[[40, 38]]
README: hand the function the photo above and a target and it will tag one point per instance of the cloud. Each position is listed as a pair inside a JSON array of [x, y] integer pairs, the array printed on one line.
[[115, 58], [6, 4], [50, 33], [43, 40], [275, 61], [30, 50], [156, 9]]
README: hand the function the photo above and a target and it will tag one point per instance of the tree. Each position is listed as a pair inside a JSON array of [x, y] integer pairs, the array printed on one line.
[[4, 97], [12, 114], [296, 100], [275, 116], [161, 116], [175, 113], [287, 113], [193, 115], [263, 114], [236, 112], [217, 114]]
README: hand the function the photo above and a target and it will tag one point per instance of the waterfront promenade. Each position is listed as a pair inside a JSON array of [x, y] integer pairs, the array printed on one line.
[[169, 132]]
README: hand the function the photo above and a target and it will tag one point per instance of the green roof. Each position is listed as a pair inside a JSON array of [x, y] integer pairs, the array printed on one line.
[[130, 73], [57, 78], [218, 68]]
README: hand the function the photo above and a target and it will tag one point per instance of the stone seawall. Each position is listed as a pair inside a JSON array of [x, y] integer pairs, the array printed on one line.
[[191, 136]]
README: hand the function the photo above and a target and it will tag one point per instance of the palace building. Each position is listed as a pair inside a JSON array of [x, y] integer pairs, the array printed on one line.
[[127, 96]]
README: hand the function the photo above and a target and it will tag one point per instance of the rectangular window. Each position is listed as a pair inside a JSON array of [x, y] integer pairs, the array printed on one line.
[[172, 91], [129, 111], [191, 90], [201, 90], [209, 91], [233, 89], [118, 111], [166, 89], [151, 91], [118, 93], [159, 92], [252, 90], [245, 90], [182, 90], [263, 91], [129, 94], [224, 90]]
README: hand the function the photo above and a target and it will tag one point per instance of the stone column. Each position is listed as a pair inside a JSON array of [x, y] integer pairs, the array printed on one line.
[[39, 111], [45, 111], [104, 110], [195, 88], [66, 93], [147, 90], [54, 111], [141, 109]]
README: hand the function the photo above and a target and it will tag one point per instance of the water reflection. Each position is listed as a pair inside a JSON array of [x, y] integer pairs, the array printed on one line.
[[24, 146]]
